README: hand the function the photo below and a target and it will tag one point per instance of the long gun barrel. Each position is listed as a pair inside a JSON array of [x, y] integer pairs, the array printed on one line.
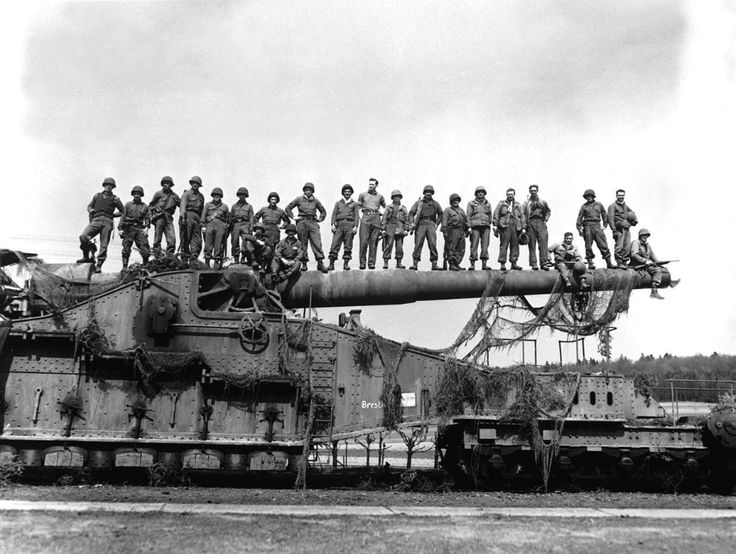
[[396, 286]]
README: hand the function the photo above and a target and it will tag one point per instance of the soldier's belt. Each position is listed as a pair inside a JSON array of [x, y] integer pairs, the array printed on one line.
[[307, 218], [368, 211], [432, 219], [351, 220]]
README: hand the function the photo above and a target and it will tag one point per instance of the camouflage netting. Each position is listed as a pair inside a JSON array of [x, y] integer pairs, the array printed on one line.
[[166, 370]]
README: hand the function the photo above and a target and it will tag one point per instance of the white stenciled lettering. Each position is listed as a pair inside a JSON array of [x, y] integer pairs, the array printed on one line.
[[371, 405]]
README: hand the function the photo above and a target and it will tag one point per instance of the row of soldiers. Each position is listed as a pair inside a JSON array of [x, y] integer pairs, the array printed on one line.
[[371, 217]]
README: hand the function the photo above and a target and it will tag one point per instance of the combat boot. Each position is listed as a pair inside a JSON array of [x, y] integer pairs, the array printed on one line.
[[591, 265], [674, 283], [399, 265], [385, 264], [655, 294], [321, 267], [535, 268], [609, 264], [414, 266], [472, 266], [503, 267], [125, 263], [435, 267], [515, 266], [331, 267], [485, 265], [304, 266], [98, 266], [346, 265], [453, 267]]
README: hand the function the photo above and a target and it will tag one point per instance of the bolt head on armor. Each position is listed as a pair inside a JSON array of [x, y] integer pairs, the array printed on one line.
[[109, 181], [397, 193], [290, 228], [137, 189], [273, 195], [589, 192], [216, 191], [167, 179], [308, 186], [242, 191], [428, 188]]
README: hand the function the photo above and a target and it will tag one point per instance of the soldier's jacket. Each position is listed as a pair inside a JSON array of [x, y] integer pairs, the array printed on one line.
[[289, 248], [620, 216], [454, 218], [191, 201], [641, 253], [536, 209], [480, 214], [135, 214], [564, 253], [425, 210], [272, 216], [592, 212], [241, 212], [213, 211], [372, 202], [397, 216], [507, 212], [165, 202], [103, 204], [307, 208], [345, 211]]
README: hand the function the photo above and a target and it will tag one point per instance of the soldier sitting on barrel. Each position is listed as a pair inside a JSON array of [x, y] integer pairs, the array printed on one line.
[[644, 260], [257, 251], [133, 226], [566, 257], [288, 255]]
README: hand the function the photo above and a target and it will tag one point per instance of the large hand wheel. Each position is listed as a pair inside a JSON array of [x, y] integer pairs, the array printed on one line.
[[254, 333]]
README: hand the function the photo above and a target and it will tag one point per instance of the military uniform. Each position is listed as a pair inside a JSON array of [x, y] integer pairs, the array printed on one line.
[[214, 218], [589, 226], [307, 225], [645, 261], [395, 223], [240, 223], [425, 214], [133, 225], [509, 220], [190, 222], [480, 215], [272, 217], [621, 218], [286, 262], [370, 226], [537, 212], [344, 219], [564, 256], [455, 229], [163, 204], [257, 249], [101, 211]]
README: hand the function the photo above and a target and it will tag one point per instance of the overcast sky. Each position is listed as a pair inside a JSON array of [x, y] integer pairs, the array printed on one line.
[[268, 95]]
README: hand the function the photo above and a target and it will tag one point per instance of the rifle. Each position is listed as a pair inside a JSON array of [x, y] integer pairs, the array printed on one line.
[[664, 262]]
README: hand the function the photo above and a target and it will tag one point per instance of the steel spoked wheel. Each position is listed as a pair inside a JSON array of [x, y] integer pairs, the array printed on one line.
[[253, 331]]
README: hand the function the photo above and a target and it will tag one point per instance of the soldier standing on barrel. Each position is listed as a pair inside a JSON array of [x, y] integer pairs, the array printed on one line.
[[163, 205], [240, 224], [455, 229], [621, 218], [133, 226], [395, 224], [591, 215], [101, 210], [480, 215], [509, 224], [307, 224], [345, 217], [370, 203], [425, 215], [272, 217], [537, 212], [190, 212], [214, 222]]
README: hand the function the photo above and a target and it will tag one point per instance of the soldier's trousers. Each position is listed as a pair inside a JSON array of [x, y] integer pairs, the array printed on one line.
[[343, 237], [482, 235], [288, 270], [564, 270], [393, 240], [538, 237], [509, 238], [455, 245], [214, 236], [655, 271], [425, 230], [273, 235], [594, 232], [102, 226], [237, 236], [164, 227], [369, 233], [308, 232], [138, 236], [254, 252], [622, 246], [191, 235]]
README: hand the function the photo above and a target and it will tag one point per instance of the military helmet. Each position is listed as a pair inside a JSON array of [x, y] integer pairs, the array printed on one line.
[[346, 187], [589, 192], [216, 190], [397, 192], [308, 186], [273, 195], [644, 232], [167, 179], [259, 225], [242, 190], [480, 189], [137, 189], [454, 196], [290, 227], [428, 188], [196, 179], [108, 181]]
